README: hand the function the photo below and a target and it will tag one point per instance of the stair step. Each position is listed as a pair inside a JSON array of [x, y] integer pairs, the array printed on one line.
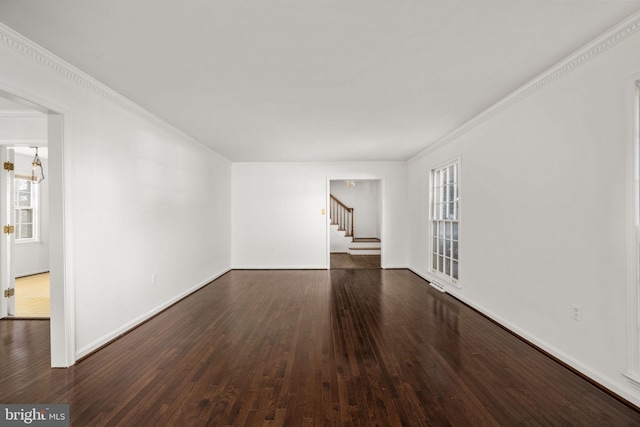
[[366, 239], [364, 251]]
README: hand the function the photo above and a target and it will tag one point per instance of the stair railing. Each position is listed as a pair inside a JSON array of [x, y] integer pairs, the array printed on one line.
[[342, 215]]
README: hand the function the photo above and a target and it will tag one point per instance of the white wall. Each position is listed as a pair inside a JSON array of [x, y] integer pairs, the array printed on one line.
[[33, 257], [145, 199], [23, 129], [277, 220], [544, 214], [364, 198]]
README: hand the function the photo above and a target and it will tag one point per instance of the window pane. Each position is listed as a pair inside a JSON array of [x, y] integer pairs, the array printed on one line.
[[25, 231], [24, 216], [24, 200], [444, 220], [23, 185]]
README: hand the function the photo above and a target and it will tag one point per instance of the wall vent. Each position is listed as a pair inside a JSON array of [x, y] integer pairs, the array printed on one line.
[[438, 286]]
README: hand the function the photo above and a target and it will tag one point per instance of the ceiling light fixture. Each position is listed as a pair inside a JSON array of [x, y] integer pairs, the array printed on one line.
[[37, 172], [350, 183]]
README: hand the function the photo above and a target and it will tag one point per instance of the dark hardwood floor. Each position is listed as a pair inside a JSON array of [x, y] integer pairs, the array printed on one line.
[[340, 347], [346, 261]]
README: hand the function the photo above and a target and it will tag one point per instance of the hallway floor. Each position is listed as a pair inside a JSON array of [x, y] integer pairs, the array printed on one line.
[[32, 296], [346, 261]]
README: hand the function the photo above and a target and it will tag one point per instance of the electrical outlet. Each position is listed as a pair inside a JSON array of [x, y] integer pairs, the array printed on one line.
[[154, 278], [576, 312]]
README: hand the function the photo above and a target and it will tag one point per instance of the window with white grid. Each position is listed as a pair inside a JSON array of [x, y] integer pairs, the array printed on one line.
[[25, 209], [445, 214]]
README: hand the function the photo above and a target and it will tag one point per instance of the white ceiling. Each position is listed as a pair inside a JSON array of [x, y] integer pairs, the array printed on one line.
[[314, 80]]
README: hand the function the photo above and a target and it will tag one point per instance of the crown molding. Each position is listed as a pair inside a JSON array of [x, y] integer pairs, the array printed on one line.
[[22, 115], [59, 66], [610, 38]]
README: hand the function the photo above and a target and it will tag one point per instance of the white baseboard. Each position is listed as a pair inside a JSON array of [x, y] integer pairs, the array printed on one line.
[[625, 393], [96, 344], [432, 283], [279, 267], [31, 273]]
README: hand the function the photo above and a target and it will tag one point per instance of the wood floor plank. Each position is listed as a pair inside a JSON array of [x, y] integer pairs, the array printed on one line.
[[320, 348]]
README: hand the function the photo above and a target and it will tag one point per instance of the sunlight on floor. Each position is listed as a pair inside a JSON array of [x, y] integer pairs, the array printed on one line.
[[32, 296]]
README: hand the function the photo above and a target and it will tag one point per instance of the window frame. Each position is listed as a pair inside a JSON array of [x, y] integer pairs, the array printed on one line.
[[444, 219], [35, 208]]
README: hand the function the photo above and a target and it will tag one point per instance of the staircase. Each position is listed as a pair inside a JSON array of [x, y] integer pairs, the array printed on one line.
[[342, 235]]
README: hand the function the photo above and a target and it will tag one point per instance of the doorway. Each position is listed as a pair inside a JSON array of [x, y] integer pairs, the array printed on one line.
[[31, 218], [355, 223], [25, 210], [58, 141]]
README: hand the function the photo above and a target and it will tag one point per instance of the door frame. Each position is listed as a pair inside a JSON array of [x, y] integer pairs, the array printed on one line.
[[381, 212], [7, 240], [61, 249], [633, 235]]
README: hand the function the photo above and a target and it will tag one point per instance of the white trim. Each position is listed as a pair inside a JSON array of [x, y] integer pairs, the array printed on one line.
[[437, 279], [32, 273], [279, 267], [62, 324], [563, 357], [327, 212], [29, 115], [633, 379], [384, 238], [48, 60], [633, 237], [352, 164], [380, 205], [96, 344], [434, 284], [61, 237], [572, 62]]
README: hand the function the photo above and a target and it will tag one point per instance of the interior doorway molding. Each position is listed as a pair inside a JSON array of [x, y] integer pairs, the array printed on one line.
[[633, 235], [381, 196], [61, 259]]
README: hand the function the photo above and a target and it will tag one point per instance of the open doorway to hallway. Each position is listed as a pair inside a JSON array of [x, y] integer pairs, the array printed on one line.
[[23, 136], [355, 223]]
